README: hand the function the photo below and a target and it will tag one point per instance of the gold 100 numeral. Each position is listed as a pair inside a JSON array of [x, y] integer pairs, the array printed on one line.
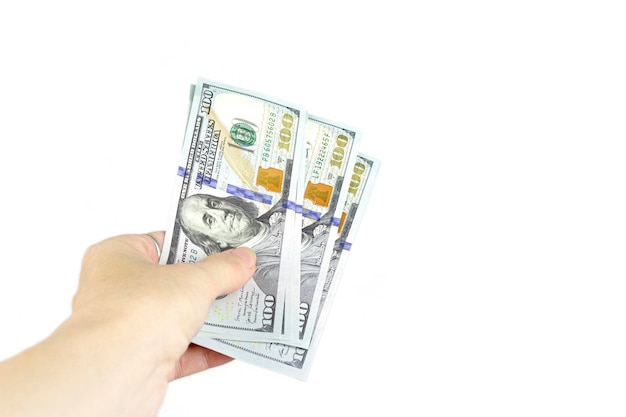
[[284, 141]]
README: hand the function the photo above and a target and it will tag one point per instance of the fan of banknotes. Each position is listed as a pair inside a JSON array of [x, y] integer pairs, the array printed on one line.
[[260, 172]]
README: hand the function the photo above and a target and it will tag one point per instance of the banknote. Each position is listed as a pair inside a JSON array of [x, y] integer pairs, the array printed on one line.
[[297, 361], [237, 185], [331, 150]]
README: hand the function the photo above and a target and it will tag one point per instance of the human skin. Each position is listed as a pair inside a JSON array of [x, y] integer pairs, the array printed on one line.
[[128, 334]]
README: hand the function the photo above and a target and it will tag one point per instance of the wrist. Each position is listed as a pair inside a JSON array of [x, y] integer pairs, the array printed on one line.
[[86, 366]]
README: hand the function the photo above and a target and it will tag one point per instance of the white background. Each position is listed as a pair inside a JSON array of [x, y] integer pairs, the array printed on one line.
[[488, 277]]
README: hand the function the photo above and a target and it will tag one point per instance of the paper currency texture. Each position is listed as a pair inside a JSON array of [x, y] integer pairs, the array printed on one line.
[[293, 360], [236, 186]]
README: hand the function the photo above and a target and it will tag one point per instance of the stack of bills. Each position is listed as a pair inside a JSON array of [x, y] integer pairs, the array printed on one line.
[[260, 172]]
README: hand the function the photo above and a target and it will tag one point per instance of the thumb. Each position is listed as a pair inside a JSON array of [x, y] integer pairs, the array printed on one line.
[[224, 272]]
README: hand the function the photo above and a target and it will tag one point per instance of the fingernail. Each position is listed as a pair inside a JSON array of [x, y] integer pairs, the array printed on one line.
[[247, 254]]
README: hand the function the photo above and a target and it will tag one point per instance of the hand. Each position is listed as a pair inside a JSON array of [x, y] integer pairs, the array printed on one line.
[[128, 335], [120, 276]]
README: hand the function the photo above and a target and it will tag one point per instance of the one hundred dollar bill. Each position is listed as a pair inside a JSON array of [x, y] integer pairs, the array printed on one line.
[[331, 150], [297, 361], [237, 186]]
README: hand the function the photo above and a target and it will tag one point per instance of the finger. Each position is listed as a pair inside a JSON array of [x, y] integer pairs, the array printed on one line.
[[152, 243], [225, 272], [197, 359], [246, 259]]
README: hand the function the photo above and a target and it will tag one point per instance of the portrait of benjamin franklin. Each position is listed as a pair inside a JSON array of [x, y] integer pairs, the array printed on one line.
[[220, 223]]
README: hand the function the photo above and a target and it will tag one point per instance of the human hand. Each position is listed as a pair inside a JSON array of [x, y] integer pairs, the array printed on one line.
[[129, 332], [121, 276]]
